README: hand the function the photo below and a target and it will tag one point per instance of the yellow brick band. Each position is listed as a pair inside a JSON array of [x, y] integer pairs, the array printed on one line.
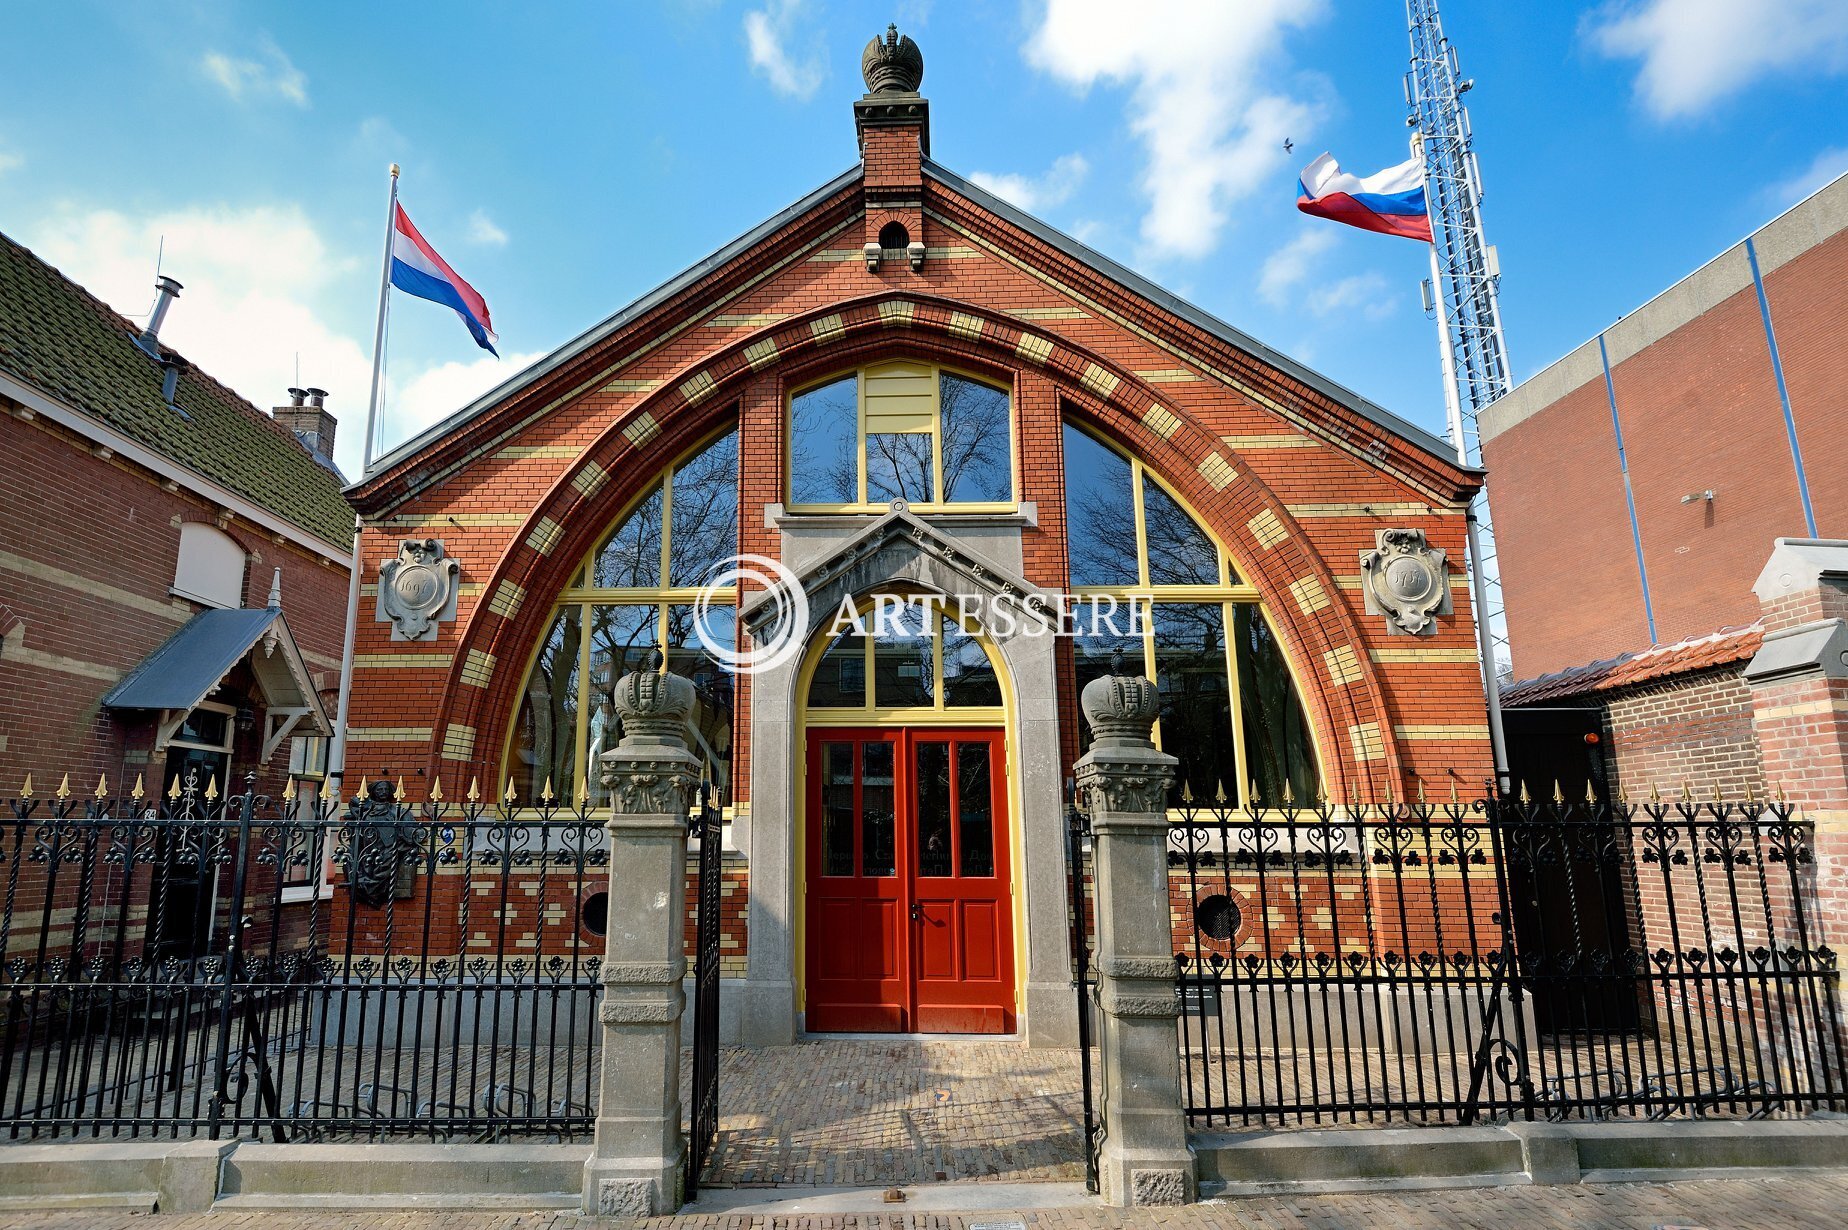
[[1168, 375], [590, 479], [545, 535], [744, 320], [393, 661], [507, 599], [1434, 730], [1363, 508], [1048, 313], [1250, 444], [477, 668], [519, 452], [897, 313], [641, 429], [1389, 656], [465, 520], [459, 742], [1162, 421], [1217, 471], [1033, 349], [631, 386], [1368, 745], [761, 354], [965, 326], [389, 734], [698, 387], [1098, 380], [1309, 594], [828, 327], [1267, 529], [1343, 664]]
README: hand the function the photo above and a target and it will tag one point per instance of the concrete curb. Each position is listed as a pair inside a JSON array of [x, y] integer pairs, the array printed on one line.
[[1401, 1159]]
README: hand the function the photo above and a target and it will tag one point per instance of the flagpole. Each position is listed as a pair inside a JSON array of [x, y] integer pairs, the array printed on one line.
[[336, 756], [1479, 592]]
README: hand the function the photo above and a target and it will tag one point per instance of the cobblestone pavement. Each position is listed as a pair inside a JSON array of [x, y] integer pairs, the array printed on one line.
[[888, 1114], [1735, 1204]]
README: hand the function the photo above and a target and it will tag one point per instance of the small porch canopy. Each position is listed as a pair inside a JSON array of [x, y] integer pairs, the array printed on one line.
[[192, 663]]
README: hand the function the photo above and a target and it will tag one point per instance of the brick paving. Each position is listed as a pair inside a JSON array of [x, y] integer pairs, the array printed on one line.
[[877, 1113], [1777, 1203]]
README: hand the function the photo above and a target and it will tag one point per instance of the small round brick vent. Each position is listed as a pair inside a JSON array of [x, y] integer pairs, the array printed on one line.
[[594, 913], [1217, 917]]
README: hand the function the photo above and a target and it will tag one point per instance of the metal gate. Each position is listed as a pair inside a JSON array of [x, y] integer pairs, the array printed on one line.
[[1078, 888], [710, 833]]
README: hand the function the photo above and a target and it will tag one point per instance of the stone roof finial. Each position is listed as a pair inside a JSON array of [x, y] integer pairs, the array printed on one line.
[[894, 65]]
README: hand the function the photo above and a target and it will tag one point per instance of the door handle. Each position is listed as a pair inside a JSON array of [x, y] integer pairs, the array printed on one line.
[[917, 912]]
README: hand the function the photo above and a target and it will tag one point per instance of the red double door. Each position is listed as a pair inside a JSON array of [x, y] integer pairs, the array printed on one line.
[[908, 891]]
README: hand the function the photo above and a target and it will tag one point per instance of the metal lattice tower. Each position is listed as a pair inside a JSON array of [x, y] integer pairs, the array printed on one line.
[[1464, 281]]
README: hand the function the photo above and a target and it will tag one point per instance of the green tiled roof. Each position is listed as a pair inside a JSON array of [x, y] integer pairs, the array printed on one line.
[[62, 340]]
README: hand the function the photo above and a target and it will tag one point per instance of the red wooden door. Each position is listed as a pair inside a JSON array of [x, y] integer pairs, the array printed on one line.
[[908, 899]]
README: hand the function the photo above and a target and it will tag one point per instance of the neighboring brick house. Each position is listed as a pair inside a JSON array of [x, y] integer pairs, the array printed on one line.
[[1640, 484], [904, 383], [151, 519]]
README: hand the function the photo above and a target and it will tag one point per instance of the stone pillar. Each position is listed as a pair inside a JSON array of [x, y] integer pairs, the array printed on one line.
[[1799, 682], [1123, 783], [637, 1164]]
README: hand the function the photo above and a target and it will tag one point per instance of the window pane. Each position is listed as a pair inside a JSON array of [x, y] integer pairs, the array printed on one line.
[[1100, 513], [825, 431], [902, 676], [630, 557], [712, 707], [898, 467], [622, 639], [968, 675], [933, 765], [703, 528], [975, 809], [1278, 745], [877, 817], [545, 744], [1196, 700], [1180, 553], [840, 677], [1100, 632], [837, 809], [978, 454]]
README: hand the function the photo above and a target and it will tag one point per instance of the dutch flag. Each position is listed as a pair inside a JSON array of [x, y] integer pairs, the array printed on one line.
[[417, 270], [1390, 203]]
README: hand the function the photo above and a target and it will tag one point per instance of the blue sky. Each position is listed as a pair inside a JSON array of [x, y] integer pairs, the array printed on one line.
[[566, 157]]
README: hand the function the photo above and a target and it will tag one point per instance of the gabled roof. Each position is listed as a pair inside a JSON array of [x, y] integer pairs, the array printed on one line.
[[58, 338], [1627, 670], [1130, 280]]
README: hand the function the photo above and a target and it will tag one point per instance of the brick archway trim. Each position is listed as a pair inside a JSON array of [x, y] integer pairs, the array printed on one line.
[[1351, 718]]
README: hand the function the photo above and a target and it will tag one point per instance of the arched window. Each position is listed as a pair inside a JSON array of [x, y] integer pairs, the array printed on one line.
[[635, 593], [210, 567], [1165, 596], [934, 438], [910, 655]]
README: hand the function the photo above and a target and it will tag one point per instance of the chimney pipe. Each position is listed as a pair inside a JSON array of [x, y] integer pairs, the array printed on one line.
[[296, 396], [166, 290], [316, 397]]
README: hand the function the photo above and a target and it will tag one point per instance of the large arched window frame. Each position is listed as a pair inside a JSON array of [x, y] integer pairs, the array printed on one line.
[[636, 591], [1199, 632], [941, 427]]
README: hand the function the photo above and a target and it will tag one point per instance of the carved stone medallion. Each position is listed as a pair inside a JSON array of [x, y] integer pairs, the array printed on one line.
[[1407, 580], [417, 591]]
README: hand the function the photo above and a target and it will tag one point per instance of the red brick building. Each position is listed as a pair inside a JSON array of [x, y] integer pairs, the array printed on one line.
[[1641, 483], [903, 385], [173, 561]]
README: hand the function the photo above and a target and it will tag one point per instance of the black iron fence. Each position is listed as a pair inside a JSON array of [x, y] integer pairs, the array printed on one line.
[[239, 966], [708, 832], [1446, 963]]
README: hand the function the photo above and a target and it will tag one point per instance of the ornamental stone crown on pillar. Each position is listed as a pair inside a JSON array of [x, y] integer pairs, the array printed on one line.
[[650, 771], [1124, 771], [895, 64]]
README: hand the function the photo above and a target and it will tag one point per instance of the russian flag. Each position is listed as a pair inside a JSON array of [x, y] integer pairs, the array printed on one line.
[[1391, 202], [416, 269]]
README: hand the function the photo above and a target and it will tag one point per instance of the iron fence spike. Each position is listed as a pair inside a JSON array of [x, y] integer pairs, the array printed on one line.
[[474, 789], [102, 785], [436, 789], [64, 787], [25, 790], [138, 793]]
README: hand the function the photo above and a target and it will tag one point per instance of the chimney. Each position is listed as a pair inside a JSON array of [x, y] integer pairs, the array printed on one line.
[[166, 290], [306, 415], [893, 125]]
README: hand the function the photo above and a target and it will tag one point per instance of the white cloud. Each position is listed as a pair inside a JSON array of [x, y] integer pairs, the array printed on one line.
[[272, 75], [260, 286], [1696, 52], [1367, 293], [1212, 127], [1289, 266], [768, 32], [1826, 167], [481, 230], [10, 161], [1055, 187]]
